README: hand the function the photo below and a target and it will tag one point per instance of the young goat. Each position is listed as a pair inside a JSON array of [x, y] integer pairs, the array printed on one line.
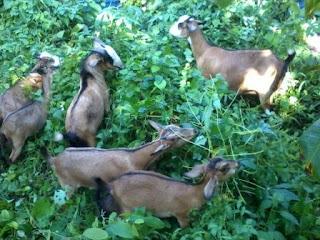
[[76, 166], [246, 71], [162, 195], [29, 119], [18, 95], [86, 110]]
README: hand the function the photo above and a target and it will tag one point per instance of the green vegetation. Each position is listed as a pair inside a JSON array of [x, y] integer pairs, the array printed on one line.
[[274, 195]]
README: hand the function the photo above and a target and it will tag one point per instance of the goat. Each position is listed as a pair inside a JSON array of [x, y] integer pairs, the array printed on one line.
[[30, 118], [75, 166], [18, 95], [162, 195], [246, 71], [85, 113]]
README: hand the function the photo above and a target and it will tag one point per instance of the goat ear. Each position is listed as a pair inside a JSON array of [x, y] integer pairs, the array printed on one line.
[[210, 187], [196, 171], [93, 62], [155, 125], [192, 27], [161, 148]]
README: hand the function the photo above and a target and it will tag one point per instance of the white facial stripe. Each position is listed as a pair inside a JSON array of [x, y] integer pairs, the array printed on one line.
[[183, 18], [45, 55], [56, 59], [174, 30], [116, 59]]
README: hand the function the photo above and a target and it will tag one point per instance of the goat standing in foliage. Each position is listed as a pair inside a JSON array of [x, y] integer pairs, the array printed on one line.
[[162, 195], [30, 118], [246, 71], [76, 166], [86, 110], [18, 95]]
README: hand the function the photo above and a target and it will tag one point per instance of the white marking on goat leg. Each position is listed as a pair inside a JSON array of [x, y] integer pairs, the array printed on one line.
[[116, 59], [57, 137], [267, 112]]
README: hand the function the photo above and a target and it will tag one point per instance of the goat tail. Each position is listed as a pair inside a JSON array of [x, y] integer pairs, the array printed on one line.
[[72, 138], [280, 75], [105, 201], [291, 55]]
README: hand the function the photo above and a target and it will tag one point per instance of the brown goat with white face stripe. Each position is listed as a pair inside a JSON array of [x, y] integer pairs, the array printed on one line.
[[18, 125], [18, 95], [246, 71], [162, 195], [75, 166], [85, 113]]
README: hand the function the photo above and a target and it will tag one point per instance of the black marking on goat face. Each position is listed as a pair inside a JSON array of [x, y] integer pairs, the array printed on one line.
[[106, 57], [213, 162]]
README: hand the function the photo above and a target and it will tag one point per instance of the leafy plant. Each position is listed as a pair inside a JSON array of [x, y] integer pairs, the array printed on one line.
[[272, 196]]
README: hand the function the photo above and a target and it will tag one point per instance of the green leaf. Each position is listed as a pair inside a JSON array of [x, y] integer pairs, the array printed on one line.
[[95, 234], [160, 82], [310, 146], [311, 7], [223, 3], [288, 216], [155, 68], [121, 229], [42, 208], [154, 222]]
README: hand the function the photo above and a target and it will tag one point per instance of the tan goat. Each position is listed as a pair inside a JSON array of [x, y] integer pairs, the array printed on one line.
[[18, 95], [86, 110], [246, 71], [162, 195], [76, 166], [29, 119]]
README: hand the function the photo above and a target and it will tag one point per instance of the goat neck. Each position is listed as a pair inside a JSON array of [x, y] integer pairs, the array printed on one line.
[[198, 43], [145, 155], [46, 87], [98, 74]]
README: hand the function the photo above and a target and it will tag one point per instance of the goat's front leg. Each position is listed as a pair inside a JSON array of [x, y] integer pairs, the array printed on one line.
[[107, 101], [17, 142]]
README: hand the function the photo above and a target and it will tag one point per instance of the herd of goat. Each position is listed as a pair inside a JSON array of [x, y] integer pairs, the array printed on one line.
[[120, 175]]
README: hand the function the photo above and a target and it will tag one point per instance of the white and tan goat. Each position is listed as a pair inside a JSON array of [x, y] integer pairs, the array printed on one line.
[[75, 166], [18, 95], [85, 113], [246, 71], [162, 195], [30, 118]]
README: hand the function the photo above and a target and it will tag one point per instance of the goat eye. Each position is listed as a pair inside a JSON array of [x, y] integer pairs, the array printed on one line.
[[225, 169], [180, 25]]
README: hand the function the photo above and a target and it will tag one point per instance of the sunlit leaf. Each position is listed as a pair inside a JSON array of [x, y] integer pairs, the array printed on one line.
[[95, 234]]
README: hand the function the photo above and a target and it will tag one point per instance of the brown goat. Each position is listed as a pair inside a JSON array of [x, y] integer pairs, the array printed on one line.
[[29, 119], [162, 195], [18, 95], [75, 166], [246, 71], [85, 113]]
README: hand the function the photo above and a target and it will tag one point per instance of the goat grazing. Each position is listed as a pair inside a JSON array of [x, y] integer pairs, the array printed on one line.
[[246, 71], [18, 95], [30, 118], [75, 166], [162, 195], [86, 110]]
